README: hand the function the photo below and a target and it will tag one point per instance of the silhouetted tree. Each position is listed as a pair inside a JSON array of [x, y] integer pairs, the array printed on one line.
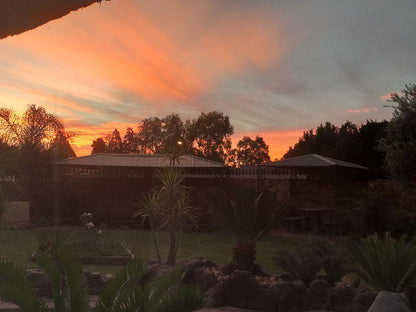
[[325, 139], [250, 152], [400, 142], [210, 134], [60, 147], [347, 143], [99, 146], [130, 141], [371, 155], [114, 142], [150, 136]]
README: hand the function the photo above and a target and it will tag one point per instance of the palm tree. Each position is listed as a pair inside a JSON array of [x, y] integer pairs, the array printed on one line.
[[248, 216]]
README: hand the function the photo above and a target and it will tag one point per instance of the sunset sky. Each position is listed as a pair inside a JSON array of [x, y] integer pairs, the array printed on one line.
[[275, 67]]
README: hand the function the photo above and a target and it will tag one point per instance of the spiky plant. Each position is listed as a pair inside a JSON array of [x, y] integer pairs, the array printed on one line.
[[16, 288], [65, 273], [149, 207], [125, 293], [176, 206], [385, 263], [248, 216]]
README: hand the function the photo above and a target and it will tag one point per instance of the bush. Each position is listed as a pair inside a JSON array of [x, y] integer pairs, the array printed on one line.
[[303, 265], [335, 260], [311, 258], [385, 263]]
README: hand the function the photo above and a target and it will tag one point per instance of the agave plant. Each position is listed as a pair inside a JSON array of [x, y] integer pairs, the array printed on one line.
[[248, 216], [385, 263]]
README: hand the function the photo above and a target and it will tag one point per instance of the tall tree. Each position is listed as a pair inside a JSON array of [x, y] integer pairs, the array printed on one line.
[[347, 141], [400, 142], [114, 142], [250, 152], [173, 131], [130, 141], [211, 133], [60, 146], [150, 135], [99, 146]]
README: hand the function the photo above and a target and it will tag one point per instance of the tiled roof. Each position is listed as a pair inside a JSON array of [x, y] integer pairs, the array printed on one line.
[[139, 160], [312, 160]]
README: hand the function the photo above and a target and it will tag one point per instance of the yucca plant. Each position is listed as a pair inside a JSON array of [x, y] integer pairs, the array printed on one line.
[[385, 263], [248, 216], [149, 208]]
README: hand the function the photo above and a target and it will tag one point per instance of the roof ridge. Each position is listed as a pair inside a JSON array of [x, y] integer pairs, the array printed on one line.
[[325, 159]]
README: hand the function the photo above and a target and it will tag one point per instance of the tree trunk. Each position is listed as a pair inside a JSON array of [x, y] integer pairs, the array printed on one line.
[[244, 255]]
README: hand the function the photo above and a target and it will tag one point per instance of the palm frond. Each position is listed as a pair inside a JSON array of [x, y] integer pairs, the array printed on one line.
[[187, 298], [67, 280], [385, 263], [16, 288], [246, 215], [118, 294]]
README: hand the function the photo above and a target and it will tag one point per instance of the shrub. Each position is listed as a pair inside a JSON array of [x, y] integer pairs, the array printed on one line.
[[335, 260], [303, 265], [385, 263]]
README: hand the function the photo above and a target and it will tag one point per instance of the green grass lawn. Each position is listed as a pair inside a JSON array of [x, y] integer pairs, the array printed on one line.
[[215, 246]]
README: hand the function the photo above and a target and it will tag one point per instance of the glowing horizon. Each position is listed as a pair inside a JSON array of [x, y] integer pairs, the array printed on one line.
[[275, 68]]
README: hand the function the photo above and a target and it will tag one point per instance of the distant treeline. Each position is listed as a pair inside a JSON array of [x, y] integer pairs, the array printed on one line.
[[349, 142]]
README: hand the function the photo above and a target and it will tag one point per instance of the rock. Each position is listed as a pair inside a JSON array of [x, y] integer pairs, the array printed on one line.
[[216, 295], [365, 298], [320, 287], [202, 277], [340, 299], [40, 281], [389, 301], [154, 271], [411, 296], [287, 277], [95, 282], [290, 301]]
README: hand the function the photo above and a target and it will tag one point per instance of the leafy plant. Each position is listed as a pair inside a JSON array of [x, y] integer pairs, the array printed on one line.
[[15, 287], [248, 216], [335, 260], [303, 265], [124, 293], [385, 263]]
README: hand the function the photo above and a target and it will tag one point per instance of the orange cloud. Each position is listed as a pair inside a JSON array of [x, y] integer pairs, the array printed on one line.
[[363, 110], [386, 97]]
